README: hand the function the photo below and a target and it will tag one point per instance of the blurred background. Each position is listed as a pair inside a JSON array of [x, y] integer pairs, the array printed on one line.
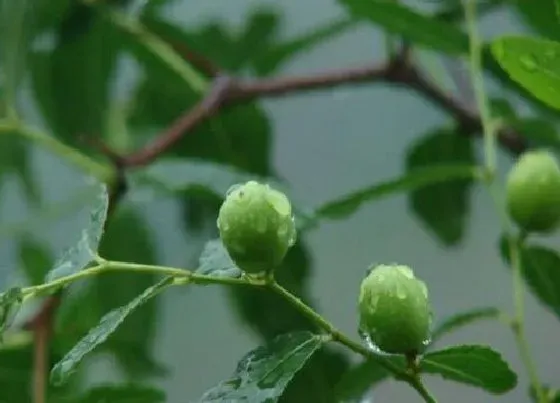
[[323, 144]]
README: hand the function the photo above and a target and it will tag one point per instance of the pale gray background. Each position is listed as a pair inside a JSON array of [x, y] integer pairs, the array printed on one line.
[[325, 144]]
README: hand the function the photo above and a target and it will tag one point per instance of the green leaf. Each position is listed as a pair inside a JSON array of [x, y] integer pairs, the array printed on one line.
[[540, 15], [263, 374], [10, 301], [355, 383], [72, 81], [541, 270], [533, 63], [474, 365], [14, 160], [215, 260], [35, 259], [129, 239], [99, 334], [15, 27], [414, 180], [462, 319], [16, 365], [401, 20], [540, 132], [123, 394], [273, 56], [443, 207], [80, 255]]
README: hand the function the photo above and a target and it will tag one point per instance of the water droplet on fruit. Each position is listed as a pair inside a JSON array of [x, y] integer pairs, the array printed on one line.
[[372, 346], [233, 188]]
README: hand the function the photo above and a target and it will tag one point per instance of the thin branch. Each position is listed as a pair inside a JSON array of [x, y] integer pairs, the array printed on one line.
[[41, 326], [227, 91], [284, 86], [187, 122]]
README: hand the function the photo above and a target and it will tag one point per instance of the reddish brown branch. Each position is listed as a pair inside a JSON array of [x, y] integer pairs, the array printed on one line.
[[399, 72], [185, 123], [41, 326]]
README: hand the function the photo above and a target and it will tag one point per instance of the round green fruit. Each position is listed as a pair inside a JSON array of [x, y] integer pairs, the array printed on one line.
[[533, 192], [256, 226], [395, 313]]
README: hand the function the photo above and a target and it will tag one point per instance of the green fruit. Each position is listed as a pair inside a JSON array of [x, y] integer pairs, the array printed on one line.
[[256, 226], [395, 313], [533, 192]]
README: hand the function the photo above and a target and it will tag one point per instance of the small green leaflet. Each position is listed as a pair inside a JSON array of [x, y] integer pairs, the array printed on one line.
[[415, 179], [10, 301], [215, 261], [263, 374], [479, 366], [533, 64], [80, 255], [417, 28], [122, 394], [96, 336], [462, 319]]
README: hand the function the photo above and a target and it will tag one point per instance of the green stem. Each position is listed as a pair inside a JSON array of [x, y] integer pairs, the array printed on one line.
[[417, 384], [475, 62], [358, 348], [518, 323], [161, 49], [490, 162], [104, 267], [102, 172]]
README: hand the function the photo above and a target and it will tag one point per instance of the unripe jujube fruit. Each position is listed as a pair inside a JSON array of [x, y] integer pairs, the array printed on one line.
[[256, 226], [533, 192], [395, 313]]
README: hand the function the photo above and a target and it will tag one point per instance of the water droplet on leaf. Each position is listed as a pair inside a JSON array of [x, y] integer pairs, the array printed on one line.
[[529, 63]]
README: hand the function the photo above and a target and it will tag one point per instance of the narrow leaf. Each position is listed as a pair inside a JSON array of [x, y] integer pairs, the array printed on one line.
[[533, 63], [479, 366], [263, 374], [98, 335], [80, 255], [421, 29], [462, 319], [415, 179], [442, 207], [215, 260], [123, 394]]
